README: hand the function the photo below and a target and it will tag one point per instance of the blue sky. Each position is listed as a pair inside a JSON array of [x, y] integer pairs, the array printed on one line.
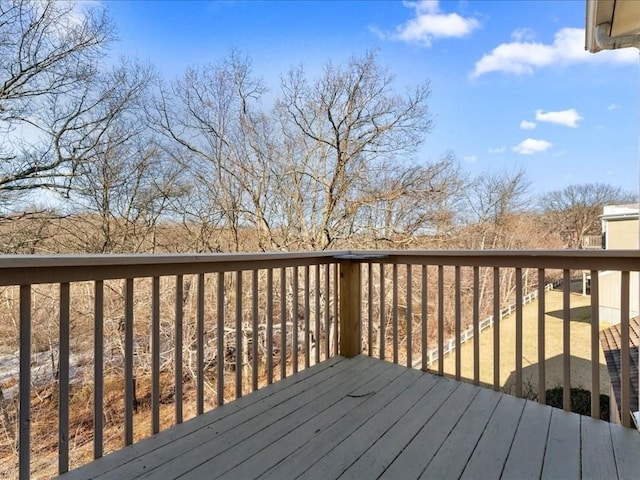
[[511, 84]]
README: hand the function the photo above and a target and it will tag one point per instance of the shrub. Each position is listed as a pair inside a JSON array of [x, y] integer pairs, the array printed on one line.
[[580, 401]]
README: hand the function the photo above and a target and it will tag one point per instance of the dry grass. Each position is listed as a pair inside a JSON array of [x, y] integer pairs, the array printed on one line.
[[580, 347]]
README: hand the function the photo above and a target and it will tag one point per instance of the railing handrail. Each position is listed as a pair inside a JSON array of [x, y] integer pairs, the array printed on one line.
[[622, 260], [36, 269]]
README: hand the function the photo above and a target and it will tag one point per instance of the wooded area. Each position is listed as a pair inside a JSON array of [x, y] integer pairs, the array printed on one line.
[[99, 155], [105, 156]]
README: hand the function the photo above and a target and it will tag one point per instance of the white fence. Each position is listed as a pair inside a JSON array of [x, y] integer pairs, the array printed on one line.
[[466, 335]]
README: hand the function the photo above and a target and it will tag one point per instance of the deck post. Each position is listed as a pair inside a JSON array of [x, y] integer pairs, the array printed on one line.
[[350, 307]]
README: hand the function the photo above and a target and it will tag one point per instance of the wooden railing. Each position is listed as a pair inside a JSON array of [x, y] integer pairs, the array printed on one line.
[[446, 267], [248, 320]]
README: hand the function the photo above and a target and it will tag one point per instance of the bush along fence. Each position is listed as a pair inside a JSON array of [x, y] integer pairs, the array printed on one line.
[[466, 335]]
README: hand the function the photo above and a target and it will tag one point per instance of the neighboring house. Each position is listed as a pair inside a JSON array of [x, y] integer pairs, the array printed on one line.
[[619, 232], [610, 340]]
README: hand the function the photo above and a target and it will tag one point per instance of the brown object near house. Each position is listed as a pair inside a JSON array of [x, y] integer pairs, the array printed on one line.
[[610, 340]]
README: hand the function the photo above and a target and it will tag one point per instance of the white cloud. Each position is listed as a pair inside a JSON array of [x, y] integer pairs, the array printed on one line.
[[526, 125], [568, 118], [613, 106], [498, 150], [531, 146], [523, 57], [470, 158], [430, 23], [523, 34]]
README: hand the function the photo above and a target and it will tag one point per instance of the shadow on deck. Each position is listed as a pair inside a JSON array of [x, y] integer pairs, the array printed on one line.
[[365, 418]]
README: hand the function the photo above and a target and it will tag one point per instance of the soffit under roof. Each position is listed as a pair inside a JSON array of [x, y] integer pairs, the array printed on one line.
[[622, 15]]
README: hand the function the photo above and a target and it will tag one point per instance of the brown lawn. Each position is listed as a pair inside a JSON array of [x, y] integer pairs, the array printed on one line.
[[580, 348]]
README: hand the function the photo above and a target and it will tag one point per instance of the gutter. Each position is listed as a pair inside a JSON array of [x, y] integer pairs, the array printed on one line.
[[606, 42], [619, 216]]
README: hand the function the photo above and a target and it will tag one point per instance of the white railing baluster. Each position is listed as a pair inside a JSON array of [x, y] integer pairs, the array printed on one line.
[[394, 311], [307, 319], [496, 328], [595, 345], [294, 321], [518, 332], [98, 367], [128, 363], [409, 317], [336, 305], [270, 326], [440, 319], [318, 342], [425, 360], [383, 316], [254, 329], [239, 344], [327, 303], [458, 322], [476, 325], [542, 288], [625, 373], [25, 383], [220, 339], [63, 381], [370, 309], [155, 355], [178, 347], [200, 347], [566, 340], [283, 323]]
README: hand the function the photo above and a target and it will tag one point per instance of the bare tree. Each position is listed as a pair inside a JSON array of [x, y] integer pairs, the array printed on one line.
[[355, 124], [492, 201], [213, 115], [573, 211], [404, 206], [48, 63], [119, 195]]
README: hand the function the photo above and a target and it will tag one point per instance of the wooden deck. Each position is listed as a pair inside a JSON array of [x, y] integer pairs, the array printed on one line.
[[363, 418]]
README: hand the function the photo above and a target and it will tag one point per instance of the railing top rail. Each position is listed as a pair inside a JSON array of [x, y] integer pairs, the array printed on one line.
[[90, 260], [32, 269], [628, 260]]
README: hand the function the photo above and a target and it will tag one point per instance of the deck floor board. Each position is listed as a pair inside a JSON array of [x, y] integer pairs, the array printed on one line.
[[529, 444], [365, 418]]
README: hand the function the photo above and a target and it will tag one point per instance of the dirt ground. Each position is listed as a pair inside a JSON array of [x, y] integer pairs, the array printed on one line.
[[580, 348]]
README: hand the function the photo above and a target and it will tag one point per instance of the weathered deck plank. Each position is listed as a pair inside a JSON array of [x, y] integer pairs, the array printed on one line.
[[625, 449], [529, 444], [344, 416], [414, 458], [364, 418], [596, 444], [264, 429], [298, 430], [451, 458], [177, 437], [492, 450], [408, 386], [351, 446], [562, 455], [382, 452]]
